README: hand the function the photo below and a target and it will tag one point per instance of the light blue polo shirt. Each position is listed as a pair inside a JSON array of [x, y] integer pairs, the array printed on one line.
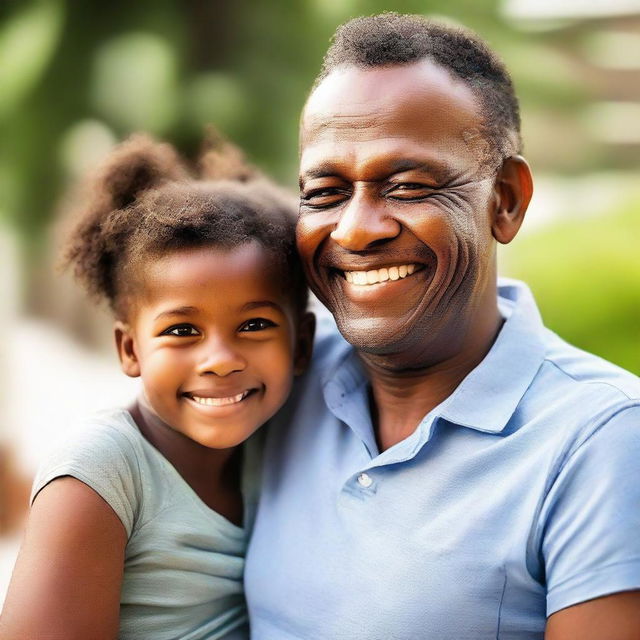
[[517, 496]]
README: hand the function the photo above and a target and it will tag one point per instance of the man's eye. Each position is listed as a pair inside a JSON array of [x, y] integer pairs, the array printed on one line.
[[409, 191], [181, 330], [326, 197], [257, 324]]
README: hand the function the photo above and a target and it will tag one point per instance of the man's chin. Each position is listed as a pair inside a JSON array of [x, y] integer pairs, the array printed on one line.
[[375, 336]]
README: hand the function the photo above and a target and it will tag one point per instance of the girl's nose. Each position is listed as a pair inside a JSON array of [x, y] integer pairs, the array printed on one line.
[[220, 358]]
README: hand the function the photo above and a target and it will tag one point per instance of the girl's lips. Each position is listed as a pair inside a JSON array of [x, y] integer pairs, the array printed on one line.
[[210, 399]]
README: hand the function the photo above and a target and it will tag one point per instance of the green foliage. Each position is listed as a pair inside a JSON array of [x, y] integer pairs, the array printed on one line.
[[140, 96], [76, 76], [169, 68], [585, 275], [28, 39]]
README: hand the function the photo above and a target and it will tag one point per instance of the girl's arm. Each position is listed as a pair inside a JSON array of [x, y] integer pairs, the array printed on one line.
[[67, 579]]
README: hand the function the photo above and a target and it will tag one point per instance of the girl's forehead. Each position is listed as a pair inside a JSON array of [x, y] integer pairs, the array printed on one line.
[[228, 278]]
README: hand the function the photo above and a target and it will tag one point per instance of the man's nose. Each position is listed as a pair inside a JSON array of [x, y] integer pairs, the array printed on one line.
[[219, 357], [363, 223]]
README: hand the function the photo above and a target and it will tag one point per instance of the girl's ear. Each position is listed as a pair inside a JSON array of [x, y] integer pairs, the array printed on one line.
[[513, 190], [304, 343], [126, 349]]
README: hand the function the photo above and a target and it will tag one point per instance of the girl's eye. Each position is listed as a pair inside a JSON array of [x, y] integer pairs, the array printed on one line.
[[257, 324], [181, 331]]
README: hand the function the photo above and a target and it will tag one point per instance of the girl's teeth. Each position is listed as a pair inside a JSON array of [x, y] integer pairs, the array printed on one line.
[[379, 275], [219, 402]]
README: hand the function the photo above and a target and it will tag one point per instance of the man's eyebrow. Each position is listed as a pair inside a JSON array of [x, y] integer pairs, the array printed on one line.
[[324, 170], [399, 166], [257, 304], [177, 311], [437, 170]]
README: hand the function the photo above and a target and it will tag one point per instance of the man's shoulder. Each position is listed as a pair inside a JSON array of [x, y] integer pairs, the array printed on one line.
[[577, 394], [564, 366], [590, 371]]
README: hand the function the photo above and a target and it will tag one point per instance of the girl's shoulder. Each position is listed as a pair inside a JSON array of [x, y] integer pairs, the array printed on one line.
[[104, 451]]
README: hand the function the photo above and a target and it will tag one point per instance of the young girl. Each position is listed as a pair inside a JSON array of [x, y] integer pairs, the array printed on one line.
[[139, 522]]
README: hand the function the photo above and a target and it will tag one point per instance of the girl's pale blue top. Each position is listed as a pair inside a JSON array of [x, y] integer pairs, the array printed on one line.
[[183, 561]]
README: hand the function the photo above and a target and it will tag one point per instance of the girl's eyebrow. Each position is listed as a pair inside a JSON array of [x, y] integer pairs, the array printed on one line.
[[178, 311], [256, 304]]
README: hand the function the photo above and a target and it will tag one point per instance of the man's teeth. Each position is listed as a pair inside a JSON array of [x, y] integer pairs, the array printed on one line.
[[220, 402], [380, 275]]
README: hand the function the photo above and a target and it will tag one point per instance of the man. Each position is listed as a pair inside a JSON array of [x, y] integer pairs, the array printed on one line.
[[453, 470]]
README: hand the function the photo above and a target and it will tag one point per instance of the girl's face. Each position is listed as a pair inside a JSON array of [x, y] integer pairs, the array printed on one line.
[[216, 341]]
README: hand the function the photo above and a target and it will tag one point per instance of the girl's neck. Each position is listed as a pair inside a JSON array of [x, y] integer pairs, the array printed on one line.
[[214, 474]]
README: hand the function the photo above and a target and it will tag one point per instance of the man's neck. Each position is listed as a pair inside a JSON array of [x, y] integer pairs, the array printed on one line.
[[401, 396]]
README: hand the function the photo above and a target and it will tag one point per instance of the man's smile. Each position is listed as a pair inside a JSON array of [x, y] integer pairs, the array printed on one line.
[[407, 282], [383, 274], [392, 272]]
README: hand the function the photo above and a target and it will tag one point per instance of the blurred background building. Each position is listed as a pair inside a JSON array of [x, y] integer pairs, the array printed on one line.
[[76, 77]]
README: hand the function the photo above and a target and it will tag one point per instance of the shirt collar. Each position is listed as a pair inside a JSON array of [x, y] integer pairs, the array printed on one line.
[[486, 399], [345, 393]]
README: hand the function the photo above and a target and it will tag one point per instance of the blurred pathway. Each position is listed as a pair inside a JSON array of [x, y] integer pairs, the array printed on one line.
[[49, 382]]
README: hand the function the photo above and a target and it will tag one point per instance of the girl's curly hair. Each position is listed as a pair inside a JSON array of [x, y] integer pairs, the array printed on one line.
[[144, 203]]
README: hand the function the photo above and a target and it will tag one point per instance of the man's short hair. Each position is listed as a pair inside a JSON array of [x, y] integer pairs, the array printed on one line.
[[392, 38]]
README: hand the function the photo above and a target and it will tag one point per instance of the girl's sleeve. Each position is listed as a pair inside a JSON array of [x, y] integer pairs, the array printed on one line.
[[103, 458]]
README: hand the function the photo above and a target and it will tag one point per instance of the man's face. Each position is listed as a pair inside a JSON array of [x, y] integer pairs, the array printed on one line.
[[397, 194]]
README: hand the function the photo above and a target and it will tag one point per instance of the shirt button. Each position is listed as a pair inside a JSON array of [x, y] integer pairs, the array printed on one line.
[[364, 480]]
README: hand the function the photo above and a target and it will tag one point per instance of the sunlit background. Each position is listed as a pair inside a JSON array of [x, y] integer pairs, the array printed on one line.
[[76, 77]]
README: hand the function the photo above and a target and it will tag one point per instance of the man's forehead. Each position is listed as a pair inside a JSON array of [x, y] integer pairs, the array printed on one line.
[[416, 111], [362, 85], [352, 99]]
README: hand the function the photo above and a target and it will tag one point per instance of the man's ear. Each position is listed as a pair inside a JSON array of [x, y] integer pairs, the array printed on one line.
[[304, 343], [513, 190], [126, 349]]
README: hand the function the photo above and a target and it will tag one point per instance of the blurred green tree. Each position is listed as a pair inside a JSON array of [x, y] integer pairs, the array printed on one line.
[[78, 76], [586, 278]]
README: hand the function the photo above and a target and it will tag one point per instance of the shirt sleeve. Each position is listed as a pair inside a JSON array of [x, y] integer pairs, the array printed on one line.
[[591, 528], [103, 458]]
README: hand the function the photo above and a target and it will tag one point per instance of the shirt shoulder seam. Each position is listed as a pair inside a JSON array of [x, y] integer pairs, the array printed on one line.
[[592, 382]]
